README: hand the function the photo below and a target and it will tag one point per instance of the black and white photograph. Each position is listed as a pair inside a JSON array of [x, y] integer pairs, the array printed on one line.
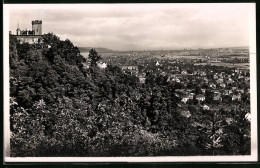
[[153, 82]]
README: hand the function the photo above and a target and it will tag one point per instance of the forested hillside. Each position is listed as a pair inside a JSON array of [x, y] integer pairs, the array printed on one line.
[[60, 108]]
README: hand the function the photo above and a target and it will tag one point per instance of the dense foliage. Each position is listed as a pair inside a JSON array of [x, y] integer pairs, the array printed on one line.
[[60, 108]]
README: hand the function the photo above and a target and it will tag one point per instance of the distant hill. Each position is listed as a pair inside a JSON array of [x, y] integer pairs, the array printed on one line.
[[240, 47], [106, 50], [100, 50]]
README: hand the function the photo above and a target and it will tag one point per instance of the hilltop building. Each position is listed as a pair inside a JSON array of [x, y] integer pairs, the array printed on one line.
[[30, 36]]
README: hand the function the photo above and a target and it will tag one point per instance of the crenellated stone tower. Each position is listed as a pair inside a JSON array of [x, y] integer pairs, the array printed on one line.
[[37, 27]]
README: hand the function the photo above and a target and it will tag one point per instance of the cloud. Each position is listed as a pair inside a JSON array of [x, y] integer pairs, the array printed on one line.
[[142, 26]]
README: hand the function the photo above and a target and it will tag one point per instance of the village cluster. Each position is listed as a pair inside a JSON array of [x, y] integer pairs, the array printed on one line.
[[198, 86], [201, 87]]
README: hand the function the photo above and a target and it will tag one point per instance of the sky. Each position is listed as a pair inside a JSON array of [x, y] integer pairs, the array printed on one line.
[[140, 26]]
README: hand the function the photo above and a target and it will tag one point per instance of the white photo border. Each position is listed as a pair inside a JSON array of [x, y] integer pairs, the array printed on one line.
[[253, 97]]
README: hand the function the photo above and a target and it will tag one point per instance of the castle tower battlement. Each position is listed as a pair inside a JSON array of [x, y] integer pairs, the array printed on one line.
[[37, 27], [36, 22]]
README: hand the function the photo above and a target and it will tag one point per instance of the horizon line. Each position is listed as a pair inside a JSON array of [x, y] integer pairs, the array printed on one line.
[[182, 49]]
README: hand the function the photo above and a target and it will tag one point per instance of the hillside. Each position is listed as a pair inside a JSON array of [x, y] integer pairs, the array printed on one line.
[[62, 109]]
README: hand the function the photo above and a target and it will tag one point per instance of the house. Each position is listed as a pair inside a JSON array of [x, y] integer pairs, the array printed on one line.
[[216, 92], [177, 80], [248, 116], [226, 108], [234, 88], [212, 85], [185, 113], [240, 90], [200, 97], [171, 77], [177, 94], [129, 67], [188, 90], [132, 69], [142, 79], [184, 98], [205, 80], [224, 92], [223, 85], [227, 92], [101, 65], [180, 91], [206, 107], [229, 82], [85, 65], [236, 97], [163, 73], [202, 73], [214, 108], [184, 72], [221, 74], [237, 70], [203, 90], [241, 77], [191, 95], [217, 97], [220, 80], [229, 121]]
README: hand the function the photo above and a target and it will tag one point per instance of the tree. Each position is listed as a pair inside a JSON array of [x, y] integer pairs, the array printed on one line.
[[213, 131], [209, 96], [13, 55], [94, 56]]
